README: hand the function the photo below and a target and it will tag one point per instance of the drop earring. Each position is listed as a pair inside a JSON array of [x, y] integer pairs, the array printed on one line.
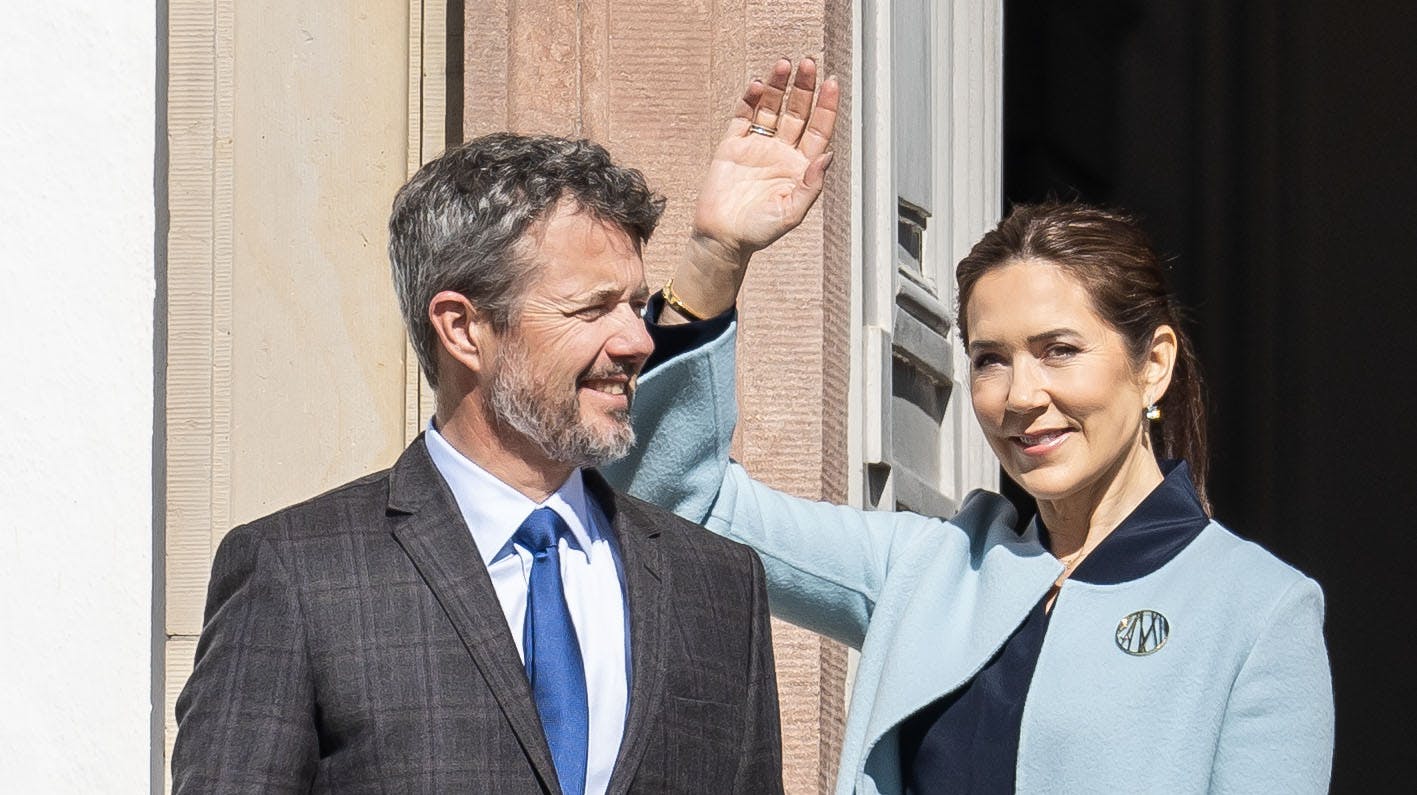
[[1152, 413]]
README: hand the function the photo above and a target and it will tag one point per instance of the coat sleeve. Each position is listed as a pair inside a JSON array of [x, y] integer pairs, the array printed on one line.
[[246, 717], [825, 564], [1277, 734]]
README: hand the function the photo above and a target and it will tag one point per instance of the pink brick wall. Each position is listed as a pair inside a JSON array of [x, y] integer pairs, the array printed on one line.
[[654, 80]]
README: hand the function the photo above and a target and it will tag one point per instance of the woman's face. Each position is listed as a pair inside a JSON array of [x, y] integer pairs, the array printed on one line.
[[1055, 390]]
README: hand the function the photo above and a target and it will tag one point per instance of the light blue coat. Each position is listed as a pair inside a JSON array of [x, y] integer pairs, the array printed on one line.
[[1238, 699]]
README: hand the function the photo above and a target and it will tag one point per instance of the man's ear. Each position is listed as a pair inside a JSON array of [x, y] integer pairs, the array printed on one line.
[[463, 332], [1159, 364]]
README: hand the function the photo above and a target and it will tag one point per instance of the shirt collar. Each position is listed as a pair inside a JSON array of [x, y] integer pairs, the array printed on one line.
[[1154, 532], [494, 510]]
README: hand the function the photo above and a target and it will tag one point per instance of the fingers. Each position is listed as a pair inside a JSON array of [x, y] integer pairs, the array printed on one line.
[[747, 105], [769, 105], [799, 102], [796, 121], [819, 129]]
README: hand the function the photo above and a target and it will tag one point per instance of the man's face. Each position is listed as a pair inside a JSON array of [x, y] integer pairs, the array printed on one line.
[[563, 375]]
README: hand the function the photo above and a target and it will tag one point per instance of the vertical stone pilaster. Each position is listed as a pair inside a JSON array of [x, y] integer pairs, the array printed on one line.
[[289, 129], [199, 274], [793, 368]]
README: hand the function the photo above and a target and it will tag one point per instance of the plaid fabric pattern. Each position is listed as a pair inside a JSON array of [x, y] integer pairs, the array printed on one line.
[[353, 643]]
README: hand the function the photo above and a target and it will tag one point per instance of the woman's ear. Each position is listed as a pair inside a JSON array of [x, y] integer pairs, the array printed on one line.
[[462, 330], [1159, 363]]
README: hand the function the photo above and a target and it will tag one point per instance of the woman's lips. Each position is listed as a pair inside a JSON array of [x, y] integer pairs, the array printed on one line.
[[1042, 442]]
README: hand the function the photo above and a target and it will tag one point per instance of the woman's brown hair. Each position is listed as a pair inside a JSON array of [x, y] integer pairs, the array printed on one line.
[[1107, 252]]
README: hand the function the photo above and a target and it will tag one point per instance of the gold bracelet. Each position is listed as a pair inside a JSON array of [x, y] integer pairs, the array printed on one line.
[[671, 298]]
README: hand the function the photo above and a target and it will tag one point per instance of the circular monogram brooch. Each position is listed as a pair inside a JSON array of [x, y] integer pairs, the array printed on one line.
[[1143, 633]]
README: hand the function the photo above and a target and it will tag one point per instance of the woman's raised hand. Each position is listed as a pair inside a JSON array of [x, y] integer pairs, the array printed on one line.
[[765, 175]]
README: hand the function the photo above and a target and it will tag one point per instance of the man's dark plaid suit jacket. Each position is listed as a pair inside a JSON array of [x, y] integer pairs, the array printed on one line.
[[354, 643]]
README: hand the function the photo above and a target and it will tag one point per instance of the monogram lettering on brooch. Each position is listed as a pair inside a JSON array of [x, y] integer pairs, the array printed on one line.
[[1143, 632]]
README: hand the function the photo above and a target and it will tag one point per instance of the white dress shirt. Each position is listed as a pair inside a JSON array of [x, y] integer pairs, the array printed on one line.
[[590, 576]]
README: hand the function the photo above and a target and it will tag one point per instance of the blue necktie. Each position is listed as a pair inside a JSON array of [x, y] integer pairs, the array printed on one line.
[[553, 657]]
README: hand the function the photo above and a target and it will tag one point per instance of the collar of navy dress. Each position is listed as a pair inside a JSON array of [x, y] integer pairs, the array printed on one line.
[[1156, 531]]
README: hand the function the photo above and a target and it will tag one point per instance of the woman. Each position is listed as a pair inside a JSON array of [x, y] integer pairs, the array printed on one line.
[[1123, 641]]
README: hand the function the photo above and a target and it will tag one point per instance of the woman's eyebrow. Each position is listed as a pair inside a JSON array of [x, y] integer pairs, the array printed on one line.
[[1053, 334], [1041, 336]]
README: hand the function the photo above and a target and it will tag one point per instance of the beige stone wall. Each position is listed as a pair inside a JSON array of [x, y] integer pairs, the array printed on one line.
[[654, 80], [291, 125]]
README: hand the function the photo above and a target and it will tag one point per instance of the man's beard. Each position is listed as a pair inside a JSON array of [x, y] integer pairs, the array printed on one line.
[[551, 419]]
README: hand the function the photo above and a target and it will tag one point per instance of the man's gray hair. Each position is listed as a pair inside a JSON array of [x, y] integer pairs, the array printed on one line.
[[459, 222]]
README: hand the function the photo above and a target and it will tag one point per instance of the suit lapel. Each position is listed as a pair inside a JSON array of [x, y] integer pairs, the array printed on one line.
[[431, 530], [637, 536]]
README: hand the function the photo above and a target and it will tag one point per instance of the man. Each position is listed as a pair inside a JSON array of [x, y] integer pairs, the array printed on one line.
[[488, 615]]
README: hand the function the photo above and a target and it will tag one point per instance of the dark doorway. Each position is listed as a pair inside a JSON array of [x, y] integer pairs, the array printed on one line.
[[1271, 147]]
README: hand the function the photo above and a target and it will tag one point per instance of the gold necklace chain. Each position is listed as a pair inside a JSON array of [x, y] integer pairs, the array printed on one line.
[[1069, 563]]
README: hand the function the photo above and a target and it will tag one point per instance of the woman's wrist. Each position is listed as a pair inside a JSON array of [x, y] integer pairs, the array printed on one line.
[[706, 282]]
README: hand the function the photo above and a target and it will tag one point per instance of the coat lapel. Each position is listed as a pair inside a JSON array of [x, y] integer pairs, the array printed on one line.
[[637, 535], [1008, 572], [431, 530]]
